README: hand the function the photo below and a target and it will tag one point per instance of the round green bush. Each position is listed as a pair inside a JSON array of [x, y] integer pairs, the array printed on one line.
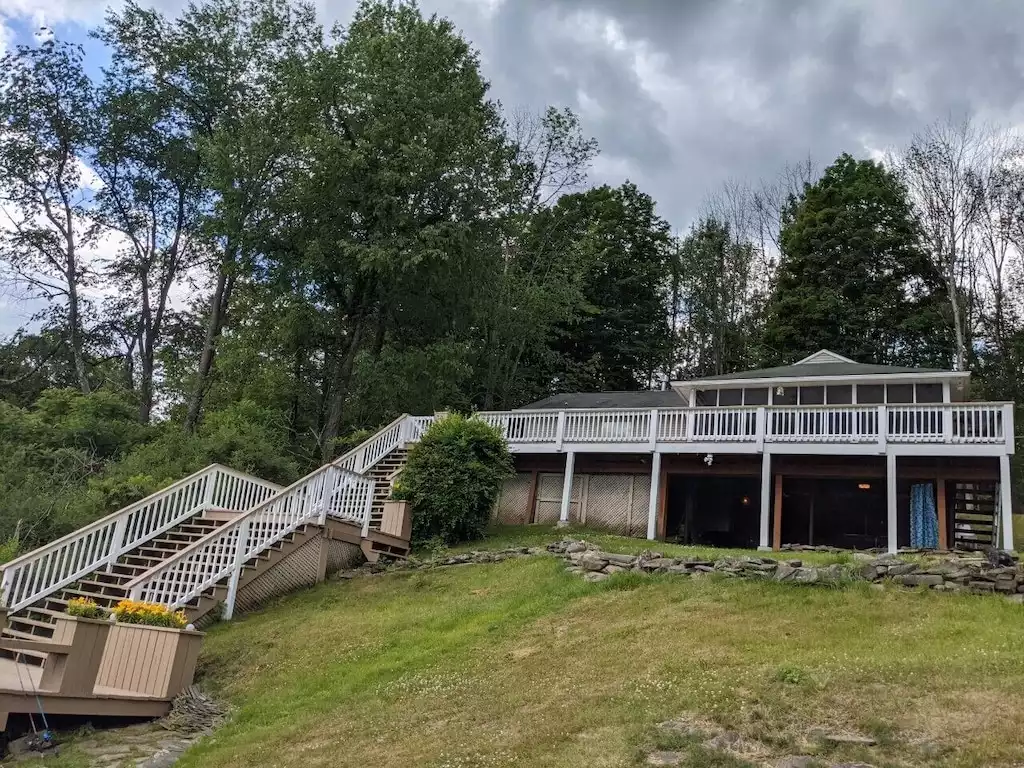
[[452, 479]]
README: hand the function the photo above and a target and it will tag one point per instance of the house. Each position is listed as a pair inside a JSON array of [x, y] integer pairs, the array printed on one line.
[[826, 451]]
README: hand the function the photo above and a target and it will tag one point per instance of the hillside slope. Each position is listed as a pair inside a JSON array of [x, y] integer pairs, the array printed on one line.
[[519, 663]]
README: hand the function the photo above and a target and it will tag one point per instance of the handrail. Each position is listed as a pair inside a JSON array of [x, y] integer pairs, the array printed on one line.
[[375, 447], [328, 491], [54, 566]]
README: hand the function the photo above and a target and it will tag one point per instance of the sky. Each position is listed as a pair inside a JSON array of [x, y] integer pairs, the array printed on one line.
[[686, 95]]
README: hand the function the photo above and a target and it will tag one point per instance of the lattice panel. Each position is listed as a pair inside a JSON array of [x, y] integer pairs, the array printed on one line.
[[641, 501], [549, 498], [609, 502], [513, 507], [342, 555], [297, 570]]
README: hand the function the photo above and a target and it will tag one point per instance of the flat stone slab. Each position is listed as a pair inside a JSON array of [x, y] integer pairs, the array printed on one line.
[[665, 758]]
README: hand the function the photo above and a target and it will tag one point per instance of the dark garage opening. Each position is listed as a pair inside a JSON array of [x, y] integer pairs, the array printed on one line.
[[834, 512], [713, 511]]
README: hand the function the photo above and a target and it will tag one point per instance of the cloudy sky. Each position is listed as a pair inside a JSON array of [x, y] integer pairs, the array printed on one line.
[[684, 95]]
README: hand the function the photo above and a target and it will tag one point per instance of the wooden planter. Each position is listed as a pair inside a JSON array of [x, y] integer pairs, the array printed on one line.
[[152, 661], [73, 672], [396, 520]]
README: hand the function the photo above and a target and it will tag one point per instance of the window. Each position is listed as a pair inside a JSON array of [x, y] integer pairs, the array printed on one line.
[[812, 395], [929, 393], [730, 397], [706, 397], [784, 396], [755, 396], [899, 393], [870, 394], [839, 394]]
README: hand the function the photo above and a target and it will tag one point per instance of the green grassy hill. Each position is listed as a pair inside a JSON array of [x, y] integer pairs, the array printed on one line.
[[520, 663]]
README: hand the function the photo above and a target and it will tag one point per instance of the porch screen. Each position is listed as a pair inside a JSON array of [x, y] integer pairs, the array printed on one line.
[[924, 522]]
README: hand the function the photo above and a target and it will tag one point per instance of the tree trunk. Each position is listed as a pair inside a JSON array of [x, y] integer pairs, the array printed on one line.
[[75, 329], [339, 391], [214, 326]]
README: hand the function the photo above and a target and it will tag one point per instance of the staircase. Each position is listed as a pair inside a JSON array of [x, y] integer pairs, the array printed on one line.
[[196, 543]]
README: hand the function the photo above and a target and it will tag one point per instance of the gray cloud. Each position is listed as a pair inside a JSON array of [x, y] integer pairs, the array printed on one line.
[[684, 95]]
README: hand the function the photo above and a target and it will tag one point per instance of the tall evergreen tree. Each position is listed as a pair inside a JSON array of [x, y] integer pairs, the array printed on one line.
[[853, 276]]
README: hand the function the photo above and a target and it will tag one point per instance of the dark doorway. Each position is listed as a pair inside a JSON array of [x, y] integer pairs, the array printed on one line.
[[837, 513], [713, 511]]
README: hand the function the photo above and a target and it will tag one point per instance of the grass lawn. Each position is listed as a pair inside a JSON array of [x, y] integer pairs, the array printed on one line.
[[519, 663]]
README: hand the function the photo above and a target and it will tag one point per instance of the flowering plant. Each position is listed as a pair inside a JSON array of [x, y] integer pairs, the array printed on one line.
[[150, 614], [84, 608]]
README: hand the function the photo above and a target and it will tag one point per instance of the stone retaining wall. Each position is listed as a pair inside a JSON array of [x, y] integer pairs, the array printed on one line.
[[973, 573]]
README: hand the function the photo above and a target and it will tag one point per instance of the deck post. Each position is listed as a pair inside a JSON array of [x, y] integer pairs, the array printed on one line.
[[890, 502], [652, 504], [570, 462], [766, 499], [883, 428], [943, 515], [560, 431], [777, 515], [652, 430], [241, 543], [1005, 502]]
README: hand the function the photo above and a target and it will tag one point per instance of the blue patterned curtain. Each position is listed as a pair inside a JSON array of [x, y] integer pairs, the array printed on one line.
[[924, 522]]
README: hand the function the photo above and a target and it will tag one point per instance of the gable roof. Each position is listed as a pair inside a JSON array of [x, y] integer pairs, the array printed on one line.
[[668, 398], [825, 363]]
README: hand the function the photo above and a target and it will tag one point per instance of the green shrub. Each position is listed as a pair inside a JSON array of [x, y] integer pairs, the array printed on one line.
[[453, 477]]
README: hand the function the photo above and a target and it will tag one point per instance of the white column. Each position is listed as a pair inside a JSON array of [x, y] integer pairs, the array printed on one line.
[[890, 499], [652, 504], [766, 500], [1005, 502], [570, 462]]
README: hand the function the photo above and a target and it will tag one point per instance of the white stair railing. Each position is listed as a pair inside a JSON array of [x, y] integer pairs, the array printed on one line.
[[329, 491], [379, 445], [60, 563]]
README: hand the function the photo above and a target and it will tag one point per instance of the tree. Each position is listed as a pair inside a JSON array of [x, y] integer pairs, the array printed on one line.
[[621, 339], [853, 275], [221, 64], [47, 124]]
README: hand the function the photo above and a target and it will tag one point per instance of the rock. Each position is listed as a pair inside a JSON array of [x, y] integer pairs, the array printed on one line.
[[655, 563], [981, 586], [1001, 557], [920, 580], [795, 563], [623, 560], [850, 765], [1018, 599], [806, 575], [1004, 584], [785, 572], [665, 758], [847, 738], [682, 727], [797, 761], [611, 568], [595, 576], [576, 546], [593, 561], [902, 569], [724, 740], [868, 572]]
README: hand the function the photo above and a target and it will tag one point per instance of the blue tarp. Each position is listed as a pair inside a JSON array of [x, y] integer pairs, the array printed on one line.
[[924, 522]]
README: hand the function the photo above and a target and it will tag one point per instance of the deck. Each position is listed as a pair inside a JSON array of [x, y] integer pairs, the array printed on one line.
[[941, 429]]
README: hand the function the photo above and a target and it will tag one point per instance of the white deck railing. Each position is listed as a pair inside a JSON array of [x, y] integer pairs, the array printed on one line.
[[330, 491], [950, 423], [66, 560]]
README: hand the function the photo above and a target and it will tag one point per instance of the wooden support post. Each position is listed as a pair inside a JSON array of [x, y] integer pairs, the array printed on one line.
[[777, 519], [892, 522], [662, 506], [531, 512], [766, 499], [941, 513], [321, 565], [570, 463], [1005, 503], [652, 503]]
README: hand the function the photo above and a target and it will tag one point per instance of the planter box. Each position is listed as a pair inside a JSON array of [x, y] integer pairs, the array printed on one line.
[[74, 672], [396, 520], [151, 661]]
